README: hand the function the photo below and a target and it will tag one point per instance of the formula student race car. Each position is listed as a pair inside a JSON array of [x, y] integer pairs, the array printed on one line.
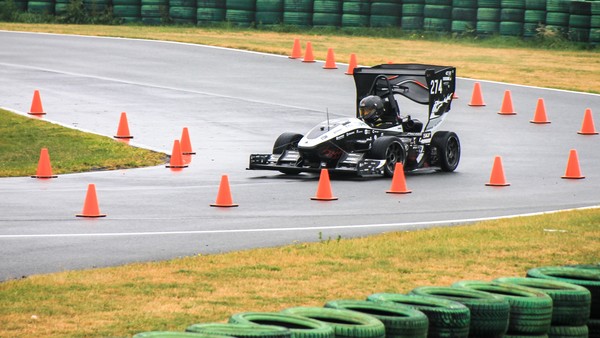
[[382, 134]]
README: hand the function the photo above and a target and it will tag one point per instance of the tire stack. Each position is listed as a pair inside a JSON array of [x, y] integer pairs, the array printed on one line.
[[578, 276], [570, 304], [95, 7], [412, 15], [385, 13], [327, 13], [127, 10], [464, 16], [437, 15], [240, 12], [41, 7], [210, 11], [512, 15], [20, 5], [534, 17], [153, 11], [557, 16], [580, 20], [595, 24], [488, 17], [298, 12], [355, 13], [269, 12], [183, 11]]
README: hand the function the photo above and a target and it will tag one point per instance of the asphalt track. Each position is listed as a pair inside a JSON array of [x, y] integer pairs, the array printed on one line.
[[236, 103]]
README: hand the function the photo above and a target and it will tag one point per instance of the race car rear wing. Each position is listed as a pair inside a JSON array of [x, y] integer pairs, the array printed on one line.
[[424, 84]]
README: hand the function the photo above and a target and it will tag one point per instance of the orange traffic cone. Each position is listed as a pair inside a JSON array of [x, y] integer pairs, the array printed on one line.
[[186, 145], [176, 157], [36, 104], [454, 96], [507, 104], [330, 61], [44, 169], [324, 188], [296, 50], [224, 199], [308, 55], [540, 113], [573, 171], [497, 177], [351, 65], [123, 130], [587, 127], [90, 206], [477, 97], [398, 181]]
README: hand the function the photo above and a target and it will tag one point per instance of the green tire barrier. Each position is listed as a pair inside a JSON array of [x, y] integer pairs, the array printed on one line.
[[411, 23], [489, 313], [530, 310], [512, 14], [509, 28], [570, 303], [557, 18], [240, 17], [461, 26], [168, 334], [446, 318], [269, 6], [243, 5], [127, 11], [153, 11], [386, 8], [589, 279], [488, 3], [535, 4], [465, 3], [384, 21], [297, 18], [212, 3], [488, 14], [268, 18], [303, 6], [413, 10], [40, 7], [464, 14], [300, 327], [210, 15], [579, 7], [439, 2], [95, 7], [580, 21], [326, 20], [399, 321], [558, 6], [594, 328], [357, 7], [436, 24], [513, 4], [569, 331], [531, 29], [345, 323], [437, 11], [487, 27], [241, 331], [534, 16], [328, 6], [355, 20], [126, 2]]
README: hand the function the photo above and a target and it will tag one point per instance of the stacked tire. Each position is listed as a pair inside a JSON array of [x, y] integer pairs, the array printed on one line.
[[95, 7], [127, 10], [154, 12], [345, 323], [512, 15], [45, 7], [269, 12], [355, 13], [298, 12], [240, 12], [183, 11], [385, 13], [60, 7], [580, 20], [327, 13], [570, 304], [488, 17], [595, 24], [557, 16], [210, 11], [588, 278], [20, 5], [464, 16], [437, 15], [412, 15], [534, 17]]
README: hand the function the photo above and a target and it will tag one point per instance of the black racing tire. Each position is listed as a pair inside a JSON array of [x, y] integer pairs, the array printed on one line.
[[446, 318], [301, 327], [388, 148], [241, 331], [399, 321], [489, 313], [588, 278], [286, 141], [568, 331], [447, 147], [173, 334], [345, 323], [570, 303], [593, 328], [530, 310]]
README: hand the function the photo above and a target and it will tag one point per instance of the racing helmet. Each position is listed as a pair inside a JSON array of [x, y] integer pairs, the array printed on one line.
[[370, 107]]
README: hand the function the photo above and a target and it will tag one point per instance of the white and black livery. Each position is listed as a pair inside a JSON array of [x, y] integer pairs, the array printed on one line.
[[382, 134]]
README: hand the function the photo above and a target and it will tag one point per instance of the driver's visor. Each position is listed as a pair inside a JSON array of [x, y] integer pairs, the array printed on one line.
[[366, 111]]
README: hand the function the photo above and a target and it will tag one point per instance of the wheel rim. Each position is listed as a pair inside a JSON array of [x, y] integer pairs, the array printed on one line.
[[393, 155], [452, 150]]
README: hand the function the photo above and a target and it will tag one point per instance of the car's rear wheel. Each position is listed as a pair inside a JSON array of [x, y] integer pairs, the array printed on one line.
[[286, 142], [390, 149], [448, 150]]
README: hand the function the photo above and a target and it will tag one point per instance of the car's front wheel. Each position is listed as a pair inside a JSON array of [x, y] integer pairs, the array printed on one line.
[[286, 142], [390, 149]]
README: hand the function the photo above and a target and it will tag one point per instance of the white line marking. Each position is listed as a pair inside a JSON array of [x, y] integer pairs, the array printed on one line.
[[338, 227]]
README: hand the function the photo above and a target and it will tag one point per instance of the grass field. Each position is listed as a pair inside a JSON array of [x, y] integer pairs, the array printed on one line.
[[171, 295]]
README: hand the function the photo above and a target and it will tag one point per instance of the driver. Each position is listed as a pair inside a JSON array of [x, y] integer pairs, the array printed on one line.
[[370, 109]]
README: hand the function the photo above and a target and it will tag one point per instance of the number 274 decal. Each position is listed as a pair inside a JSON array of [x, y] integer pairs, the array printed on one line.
[[435, 87]]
